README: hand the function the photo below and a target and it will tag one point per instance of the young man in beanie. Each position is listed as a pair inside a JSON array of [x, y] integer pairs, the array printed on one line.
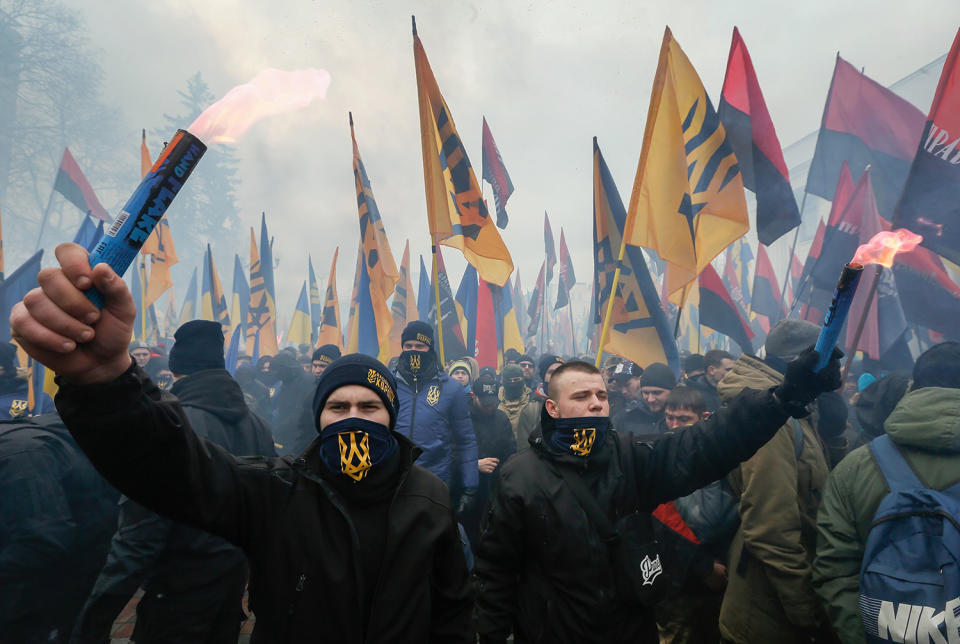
[[322, 357], [769, 593], [646, 397], [193, 582], [924, 430], [435, 414], [545, 568], [350, 542]]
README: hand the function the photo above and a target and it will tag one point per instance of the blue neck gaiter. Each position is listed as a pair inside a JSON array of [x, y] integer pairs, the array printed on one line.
[[579, 436], [354, 445]]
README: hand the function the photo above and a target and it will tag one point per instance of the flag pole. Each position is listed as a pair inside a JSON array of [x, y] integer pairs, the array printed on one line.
[[861, 323], [436, 291], [43, 222], [793, 251], [573, 333]]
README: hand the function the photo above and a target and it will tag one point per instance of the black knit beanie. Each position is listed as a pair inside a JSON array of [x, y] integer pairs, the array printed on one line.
[[327, 353], [357, 369], [546, 362], [198, 345], [419, 331], [658, 375]]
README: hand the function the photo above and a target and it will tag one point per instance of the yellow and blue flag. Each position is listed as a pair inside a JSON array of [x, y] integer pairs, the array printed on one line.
[[456, 211], [188, 311], [163, 255], [466, 303], [213, 302], [262, 312], [688, 202], [508, 329], [378, 271], [353, 341], [316, 304], [299, 329], [329, 331], [404, 305], [639, 330], [425, 295]]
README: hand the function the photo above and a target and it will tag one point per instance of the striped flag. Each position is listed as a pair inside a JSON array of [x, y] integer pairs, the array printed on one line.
[[495, 173]]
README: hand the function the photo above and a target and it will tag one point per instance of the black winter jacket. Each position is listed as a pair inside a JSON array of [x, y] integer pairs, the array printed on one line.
[[306, 576], [543, 569], [165, 557]]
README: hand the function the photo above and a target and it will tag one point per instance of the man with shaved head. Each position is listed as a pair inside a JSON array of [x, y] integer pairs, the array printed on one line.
[[566, 553]]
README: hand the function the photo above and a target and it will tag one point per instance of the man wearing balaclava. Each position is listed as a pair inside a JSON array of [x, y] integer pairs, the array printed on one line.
[[580, 483], [193, 581], [292, 421], [350, 542], [435, 414], [514, 396], [769, 594]]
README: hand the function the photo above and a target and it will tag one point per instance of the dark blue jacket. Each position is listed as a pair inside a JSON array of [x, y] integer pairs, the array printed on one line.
[[439, 423]]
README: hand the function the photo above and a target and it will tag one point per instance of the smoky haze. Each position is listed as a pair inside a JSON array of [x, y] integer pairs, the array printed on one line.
[[547, 76]]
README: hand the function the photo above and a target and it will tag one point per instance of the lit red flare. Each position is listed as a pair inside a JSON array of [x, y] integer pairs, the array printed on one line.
[[884, 245], [272, 91]]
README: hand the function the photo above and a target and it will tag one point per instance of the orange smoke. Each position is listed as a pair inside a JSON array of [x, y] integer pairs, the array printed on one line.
[[884, 245], [272, 91]]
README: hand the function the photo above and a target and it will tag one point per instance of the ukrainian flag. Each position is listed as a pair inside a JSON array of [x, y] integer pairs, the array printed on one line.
[[687, 202], [316, 304], [378, 271], [240, 299], [456, 211], [639, 330], [299, 330], [404, 305]]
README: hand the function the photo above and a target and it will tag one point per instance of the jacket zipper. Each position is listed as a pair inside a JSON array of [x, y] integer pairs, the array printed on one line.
[[900, 515], [297, 594], [413, 408]]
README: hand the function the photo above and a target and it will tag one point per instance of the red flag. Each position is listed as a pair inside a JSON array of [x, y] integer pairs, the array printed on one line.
[[765, 296], [486, 338], [495, 173], [535, 309], [71, 183], [550, 249], [719, 312], [567, 276], [750, 132]]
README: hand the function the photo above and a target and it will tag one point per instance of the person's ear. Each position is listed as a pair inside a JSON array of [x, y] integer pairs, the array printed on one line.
[[551, 406]]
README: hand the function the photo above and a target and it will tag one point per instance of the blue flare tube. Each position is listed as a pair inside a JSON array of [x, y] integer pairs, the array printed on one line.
[[837, 314], [120, 244]]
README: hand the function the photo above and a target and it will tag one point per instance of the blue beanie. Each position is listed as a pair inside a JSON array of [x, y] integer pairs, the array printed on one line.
[[358, 369]]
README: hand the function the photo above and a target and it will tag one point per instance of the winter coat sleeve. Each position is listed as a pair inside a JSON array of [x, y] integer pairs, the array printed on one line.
[[771, 524], [499, 557], [451, 604], [140, 539], [836, 568], [464, 440], [140, 440], [684, 460]]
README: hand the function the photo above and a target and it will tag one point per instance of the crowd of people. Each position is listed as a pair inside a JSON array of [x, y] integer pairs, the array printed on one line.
[[547, 501]]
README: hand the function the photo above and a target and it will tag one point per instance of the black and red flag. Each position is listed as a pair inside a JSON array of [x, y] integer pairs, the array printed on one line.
[[750, 131], [865, 124], [930, 204], [718, 311], [929, 297], [567, 276], [765, 295], [549, 248], [71, 183], [495, 173]]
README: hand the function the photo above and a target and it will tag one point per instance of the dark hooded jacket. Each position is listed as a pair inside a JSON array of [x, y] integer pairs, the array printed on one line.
[[292, 420], [169, 559], [308, 580], [56, 518], [544, 572]]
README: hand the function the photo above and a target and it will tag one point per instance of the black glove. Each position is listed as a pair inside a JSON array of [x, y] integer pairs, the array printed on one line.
[[468, 499], [801, 384]]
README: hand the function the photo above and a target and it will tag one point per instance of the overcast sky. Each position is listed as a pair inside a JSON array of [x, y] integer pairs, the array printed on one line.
[[547, 75]]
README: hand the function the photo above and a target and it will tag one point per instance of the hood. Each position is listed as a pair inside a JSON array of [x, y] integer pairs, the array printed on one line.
[[928, 419], [214, 391], [748, 373]]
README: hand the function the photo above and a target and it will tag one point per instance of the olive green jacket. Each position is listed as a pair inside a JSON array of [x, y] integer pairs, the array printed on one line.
[[925, 425], [769, 596]]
